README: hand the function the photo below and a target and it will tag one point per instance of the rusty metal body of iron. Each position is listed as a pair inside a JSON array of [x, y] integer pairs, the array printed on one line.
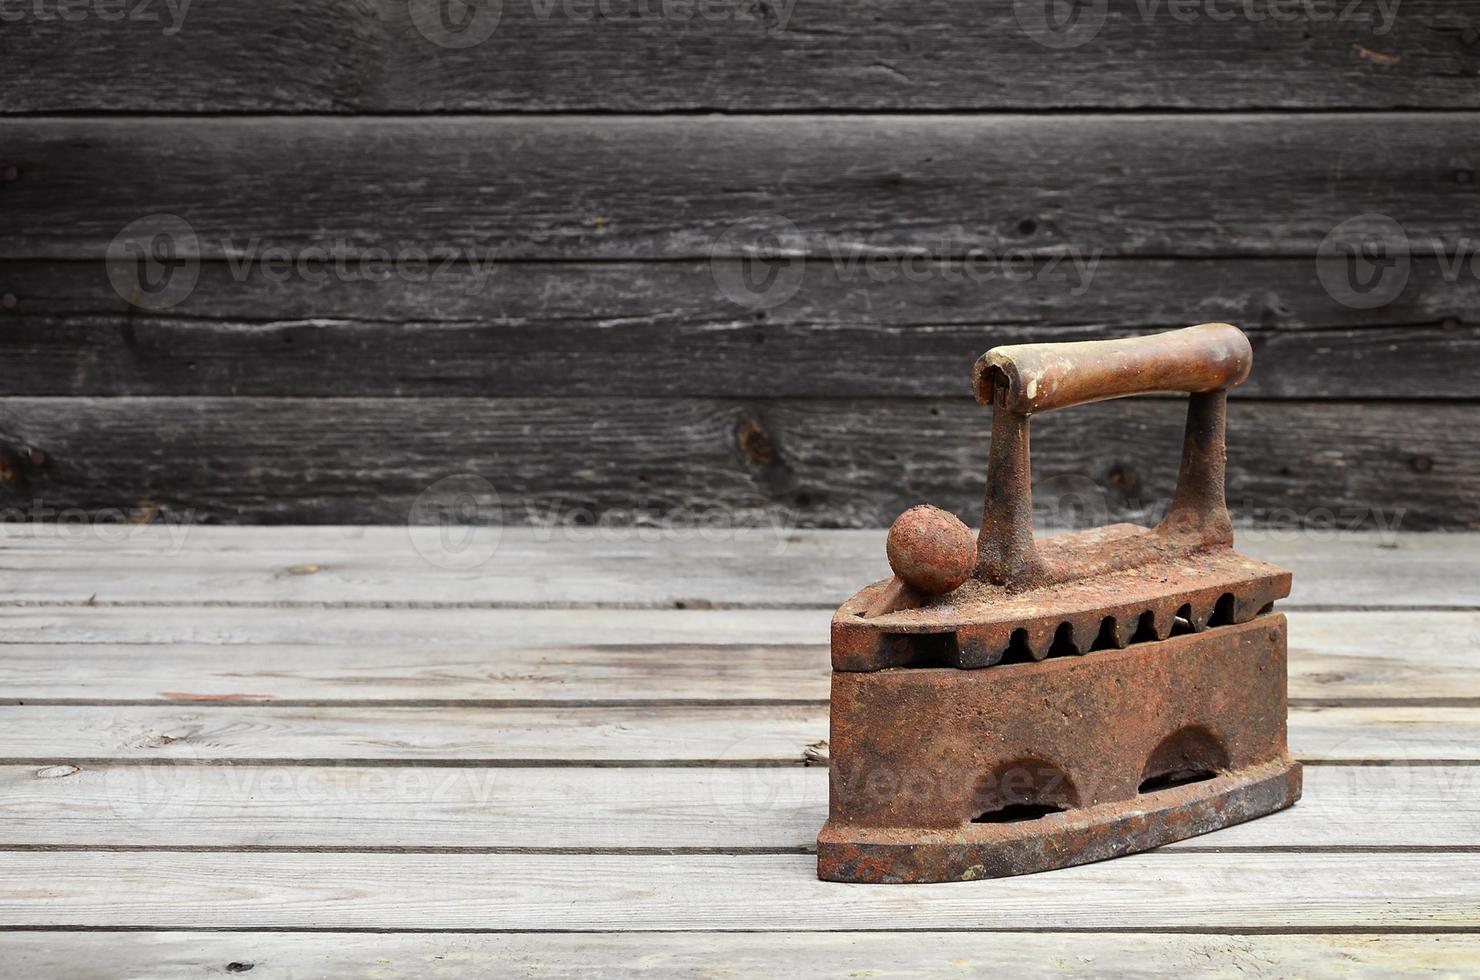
[[1004, 706]]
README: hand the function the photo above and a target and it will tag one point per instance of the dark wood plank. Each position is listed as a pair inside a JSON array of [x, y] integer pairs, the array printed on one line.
[[832, 462], [667, 329], [646, 55], [692, 187]]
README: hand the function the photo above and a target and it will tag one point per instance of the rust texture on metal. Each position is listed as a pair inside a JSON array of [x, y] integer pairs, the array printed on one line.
[[931, 550], [1136, 690]]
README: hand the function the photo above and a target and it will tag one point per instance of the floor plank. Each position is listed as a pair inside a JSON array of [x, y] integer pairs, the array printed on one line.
[[920, 955], [536, 655], [1209, 892], [616, 567], [298, 837], [417, 631], [667, 734], [418, 672], [721, 809]]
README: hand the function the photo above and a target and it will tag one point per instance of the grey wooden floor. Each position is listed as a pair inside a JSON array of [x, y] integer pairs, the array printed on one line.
[[291, 752]]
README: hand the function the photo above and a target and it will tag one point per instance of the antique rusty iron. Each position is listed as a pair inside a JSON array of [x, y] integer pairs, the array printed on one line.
[[1003, 706]]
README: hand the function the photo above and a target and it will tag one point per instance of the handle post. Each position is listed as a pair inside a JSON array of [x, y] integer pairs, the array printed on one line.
[[1004, 548], [1199, 507]]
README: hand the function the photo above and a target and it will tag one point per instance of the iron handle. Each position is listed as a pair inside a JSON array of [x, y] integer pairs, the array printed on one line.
[[1027, 378], [1021, 380]]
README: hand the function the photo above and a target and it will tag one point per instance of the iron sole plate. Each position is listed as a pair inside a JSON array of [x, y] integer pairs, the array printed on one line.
[[866, 855]]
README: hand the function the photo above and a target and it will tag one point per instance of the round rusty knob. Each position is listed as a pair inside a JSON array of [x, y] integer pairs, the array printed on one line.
[[931, 550]]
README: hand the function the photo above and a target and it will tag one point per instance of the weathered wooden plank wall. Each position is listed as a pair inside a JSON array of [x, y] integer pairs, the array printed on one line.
[[533, 258], [643, 56]]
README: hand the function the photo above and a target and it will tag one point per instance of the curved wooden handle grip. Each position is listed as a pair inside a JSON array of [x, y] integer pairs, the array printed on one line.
[[1028, 378]]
